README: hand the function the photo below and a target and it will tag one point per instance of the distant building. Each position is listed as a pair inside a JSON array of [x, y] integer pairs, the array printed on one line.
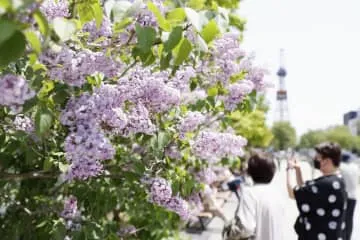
[[352, 120]]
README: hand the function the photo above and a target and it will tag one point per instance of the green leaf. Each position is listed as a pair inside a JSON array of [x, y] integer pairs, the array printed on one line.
[[4, 5], [197, 4], [64, 28], [212, 91], [183, 52], [47, 164], [237, 22], [210, 31], [34, 41], [149, 60], [42, 23], [7, 29], [146, 38], [98, 14], [163, 23], [29, 104], [43, 121], [165, 61], [12, 49], [61, 96], [176, 15], [174, 39], [88, 11]]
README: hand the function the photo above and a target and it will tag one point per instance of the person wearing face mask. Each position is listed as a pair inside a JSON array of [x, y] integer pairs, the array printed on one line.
[[321, 202]]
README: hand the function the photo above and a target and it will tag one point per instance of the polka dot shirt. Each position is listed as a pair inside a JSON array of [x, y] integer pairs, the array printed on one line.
[[322, 205]]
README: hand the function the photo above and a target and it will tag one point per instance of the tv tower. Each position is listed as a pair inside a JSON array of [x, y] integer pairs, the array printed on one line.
[[282, 111]]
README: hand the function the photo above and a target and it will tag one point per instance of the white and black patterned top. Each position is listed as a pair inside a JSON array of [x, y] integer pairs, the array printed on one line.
[[322, 206]]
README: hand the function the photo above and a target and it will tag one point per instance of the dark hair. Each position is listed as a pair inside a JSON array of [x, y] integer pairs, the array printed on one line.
[[261, 168], [330, 150]]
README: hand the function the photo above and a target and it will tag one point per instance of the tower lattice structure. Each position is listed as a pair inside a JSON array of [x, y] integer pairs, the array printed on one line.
[[282, 110]]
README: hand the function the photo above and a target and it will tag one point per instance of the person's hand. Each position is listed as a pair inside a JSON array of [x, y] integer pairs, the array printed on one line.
[[293, 163]]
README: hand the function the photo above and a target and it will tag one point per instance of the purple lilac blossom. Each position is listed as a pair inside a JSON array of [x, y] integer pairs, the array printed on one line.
[[237, 93], [126, 231], [193, 96], [226, 55], [179, 206], [181, 80], [146, 18], [149, 89], [104, 31], [173, 152], [257, 76], [84, 151], [71, 214], [206, 175], [73, 67], [24, 123], [160, 191], [14, 91], [190, 123], [55, 8], [139, 121], [212, 146]]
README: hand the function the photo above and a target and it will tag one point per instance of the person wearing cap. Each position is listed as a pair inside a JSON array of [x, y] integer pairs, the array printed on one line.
[[350, 172], [321, 202]]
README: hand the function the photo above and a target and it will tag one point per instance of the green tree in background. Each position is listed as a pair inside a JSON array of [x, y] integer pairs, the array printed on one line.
[[339, 134], [312, 138], [284, 135], [253, 127]]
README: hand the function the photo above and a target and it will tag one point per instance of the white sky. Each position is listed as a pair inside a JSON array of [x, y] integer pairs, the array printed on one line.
[[321, 39]]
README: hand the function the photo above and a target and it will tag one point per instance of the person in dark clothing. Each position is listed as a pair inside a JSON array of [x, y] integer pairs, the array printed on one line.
[[321, 202]]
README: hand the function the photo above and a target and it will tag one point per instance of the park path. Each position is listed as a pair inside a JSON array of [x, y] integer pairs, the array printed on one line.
[[213, 231]]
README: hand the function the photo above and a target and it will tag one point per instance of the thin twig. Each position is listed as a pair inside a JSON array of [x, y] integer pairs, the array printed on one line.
[[128, 68]]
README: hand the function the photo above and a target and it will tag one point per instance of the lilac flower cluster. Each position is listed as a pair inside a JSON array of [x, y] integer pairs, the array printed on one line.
[[89, 117], [226, 55], [105, 29], [150, 89], [193, 97], [24, 123], [73, 67], [190, 123], [14, 91], [84, 148], [71, 214], [86, 145], [257, 76], [126, 231], [161, 194], [237, 92], [139, 121], [173, 152], [206, 175], [55, 8], [146, 18], [182, 79], [160, 191], [179, 206], [212, 146]]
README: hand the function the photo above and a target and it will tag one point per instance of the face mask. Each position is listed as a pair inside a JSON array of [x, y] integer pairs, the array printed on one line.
[[316, 164]]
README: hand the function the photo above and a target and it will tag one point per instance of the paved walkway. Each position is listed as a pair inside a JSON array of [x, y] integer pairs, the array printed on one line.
[[214, 229]]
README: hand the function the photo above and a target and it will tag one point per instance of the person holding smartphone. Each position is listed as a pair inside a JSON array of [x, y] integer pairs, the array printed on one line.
[[321, 202]]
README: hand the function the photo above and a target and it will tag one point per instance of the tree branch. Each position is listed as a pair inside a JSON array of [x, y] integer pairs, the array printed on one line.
[[28, 175]]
